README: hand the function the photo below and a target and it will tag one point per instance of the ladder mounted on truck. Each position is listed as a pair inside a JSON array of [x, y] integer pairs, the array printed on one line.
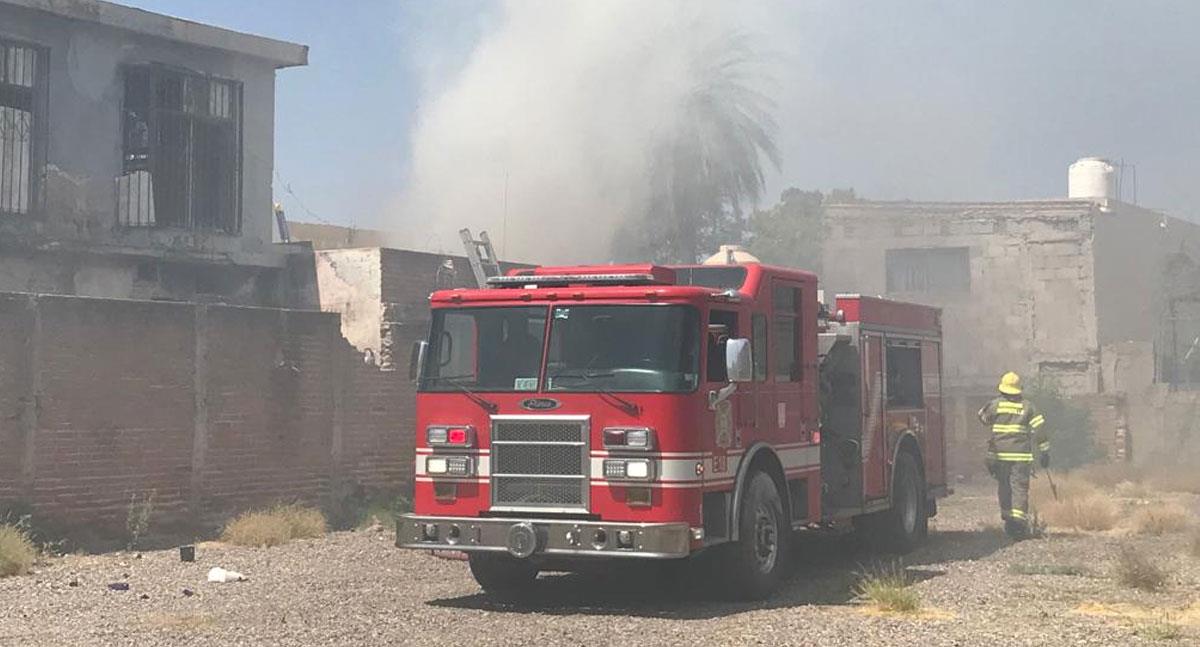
[[481, 255]]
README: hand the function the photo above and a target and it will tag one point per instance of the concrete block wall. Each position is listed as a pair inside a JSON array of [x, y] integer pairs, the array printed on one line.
[[212, 408], [1031, 304]]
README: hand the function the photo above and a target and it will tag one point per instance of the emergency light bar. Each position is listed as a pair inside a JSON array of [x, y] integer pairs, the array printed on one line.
[[568, 279]]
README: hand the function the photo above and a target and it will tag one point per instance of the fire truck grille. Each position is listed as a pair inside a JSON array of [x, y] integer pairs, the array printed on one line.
[[540, 463]]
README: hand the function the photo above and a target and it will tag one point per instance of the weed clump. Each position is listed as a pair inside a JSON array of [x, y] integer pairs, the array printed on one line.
[[1094, 512], [1135, 570], [1158, 630], [137, 518], [889, 589], [274, 527], [1049, 569], [17, 552], [1160, 519]]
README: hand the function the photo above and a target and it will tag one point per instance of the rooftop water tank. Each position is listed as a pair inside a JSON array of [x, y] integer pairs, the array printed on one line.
[[731, 255], [1092, 178]]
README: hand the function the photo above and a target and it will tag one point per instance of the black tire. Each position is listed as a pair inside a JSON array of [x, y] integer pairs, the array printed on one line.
[[905, 525], [502, 575], [754, 565]]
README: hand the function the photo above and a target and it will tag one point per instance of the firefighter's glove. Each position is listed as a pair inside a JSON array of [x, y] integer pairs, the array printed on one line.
[[1044, 460], [991, 467]]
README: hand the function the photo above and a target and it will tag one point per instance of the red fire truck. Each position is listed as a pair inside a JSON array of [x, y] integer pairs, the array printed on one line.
[[568, 414]]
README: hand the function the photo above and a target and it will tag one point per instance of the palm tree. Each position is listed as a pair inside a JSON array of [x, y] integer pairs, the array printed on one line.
[[711, 163]]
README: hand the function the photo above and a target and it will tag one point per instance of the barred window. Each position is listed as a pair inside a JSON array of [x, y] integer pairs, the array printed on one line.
[[21, 113], [182, 151]]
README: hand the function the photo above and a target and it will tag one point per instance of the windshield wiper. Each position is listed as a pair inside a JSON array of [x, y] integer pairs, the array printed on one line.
[[488, 405], [628, 407]]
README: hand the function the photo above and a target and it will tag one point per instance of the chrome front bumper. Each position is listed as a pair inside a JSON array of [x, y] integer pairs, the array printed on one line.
[[534, 537]]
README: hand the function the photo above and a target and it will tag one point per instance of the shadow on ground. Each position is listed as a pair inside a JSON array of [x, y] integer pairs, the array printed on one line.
[[827, 570]]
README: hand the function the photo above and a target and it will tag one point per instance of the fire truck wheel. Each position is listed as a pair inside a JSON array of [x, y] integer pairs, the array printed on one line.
[[755, 563], [502, 575], [903, 527]]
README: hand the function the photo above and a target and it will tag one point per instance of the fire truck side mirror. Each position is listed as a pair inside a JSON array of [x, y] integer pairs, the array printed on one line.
[[416, 363], [739, 362]]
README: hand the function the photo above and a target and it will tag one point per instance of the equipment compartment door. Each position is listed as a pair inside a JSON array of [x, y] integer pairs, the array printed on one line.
[[874, 447], [935, 430], [841, 428]]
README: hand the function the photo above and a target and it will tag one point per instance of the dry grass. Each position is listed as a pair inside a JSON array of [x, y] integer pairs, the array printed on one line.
[[1070, 486], [1196, 544], [273, 527], [1162, 518], [888, 590], [1175, 478], [16, 551], [1133, 490], [1109, 475], [1080, 504], [1094, 512], [1158, 630], [1135, 570]]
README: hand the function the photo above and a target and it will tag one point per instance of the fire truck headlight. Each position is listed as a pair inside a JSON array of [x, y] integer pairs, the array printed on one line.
[[436, 465], [634, 438], [449, 436], [635, 469], [436, 435], [639, 469]]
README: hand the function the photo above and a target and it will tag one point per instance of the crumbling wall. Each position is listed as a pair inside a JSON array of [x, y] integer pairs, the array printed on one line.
[[383, 295], [213, 408], [349, 283]]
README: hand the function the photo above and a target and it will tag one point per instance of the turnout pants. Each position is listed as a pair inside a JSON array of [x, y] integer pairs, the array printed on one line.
[[1013, 492]]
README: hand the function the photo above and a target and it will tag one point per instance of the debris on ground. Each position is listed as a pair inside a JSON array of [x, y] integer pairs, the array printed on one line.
[[220, 575]]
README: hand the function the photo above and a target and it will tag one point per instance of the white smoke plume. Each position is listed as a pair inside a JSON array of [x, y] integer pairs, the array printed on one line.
[[545, 136]]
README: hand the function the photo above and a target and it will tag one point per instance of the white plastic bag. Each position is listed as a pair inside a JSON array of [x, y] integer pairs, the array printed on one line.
[[218, 574]]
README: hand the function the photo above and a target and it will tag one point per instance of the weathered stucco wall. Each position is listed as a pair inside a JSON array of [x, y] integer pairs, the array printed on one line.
[[72, 243], [1030, 305]]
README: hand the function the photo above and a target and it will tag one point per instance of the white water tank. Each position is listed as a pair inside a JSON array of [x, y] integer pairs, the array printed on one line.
[[731, 255], [1092, 178]]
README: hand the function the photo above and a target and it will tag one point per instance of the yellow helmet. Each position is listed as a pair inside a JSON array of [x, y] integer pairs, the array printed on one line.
[[1010, 384]]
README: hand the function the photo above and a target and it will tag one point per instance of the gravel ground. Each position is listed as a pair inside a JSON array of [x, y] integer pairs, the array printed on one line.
[[356, 589]]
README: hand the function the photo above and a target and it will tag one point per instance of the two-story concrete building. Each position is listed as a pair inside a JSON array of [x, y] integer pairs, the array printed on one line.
[[137, 155]]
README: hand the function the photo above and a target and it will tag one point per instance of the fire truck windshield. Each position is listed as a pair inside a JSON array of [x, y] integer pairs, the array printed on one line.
[[489, 349], [597, 349], [648, 348]]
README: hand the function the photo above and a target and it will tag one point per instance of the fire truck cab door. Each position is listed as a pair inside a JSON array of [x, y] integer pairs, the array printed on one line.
[[729, 417]]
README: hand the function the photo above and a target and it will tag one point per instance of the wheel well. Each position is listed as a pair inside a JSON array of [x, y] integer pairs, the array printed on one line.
[[764, 460]]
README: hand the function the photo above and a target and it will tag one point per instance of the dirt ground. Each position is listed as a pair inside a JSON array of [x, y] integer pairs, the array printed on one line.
[[355, 588]]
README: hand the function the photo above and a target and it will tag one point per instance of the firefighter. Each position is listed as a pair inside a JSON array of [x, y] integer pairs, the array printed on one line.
[[1017, 428]]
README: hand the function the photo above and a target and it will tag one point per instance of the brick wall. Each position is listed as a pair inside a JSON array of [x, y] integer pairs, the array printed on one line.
[[212, 408]]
